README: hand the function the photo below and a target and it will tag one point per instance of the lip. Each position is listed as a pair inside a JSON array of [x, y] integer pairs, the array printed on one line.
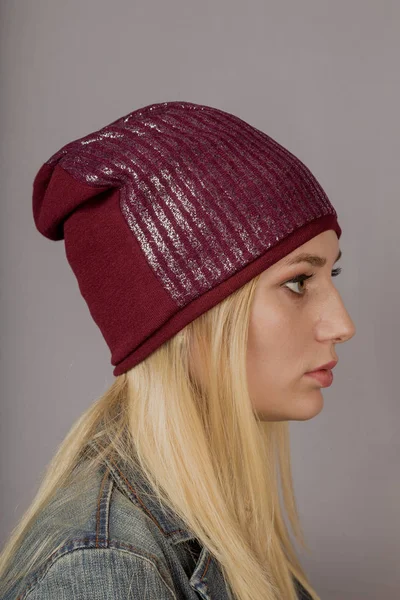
[[323, 376], [328, 366]]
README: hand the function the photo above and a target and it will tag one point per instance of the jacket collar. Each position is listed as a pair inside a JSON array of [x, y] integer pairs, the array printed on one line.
[[131, 482], [207, 579]]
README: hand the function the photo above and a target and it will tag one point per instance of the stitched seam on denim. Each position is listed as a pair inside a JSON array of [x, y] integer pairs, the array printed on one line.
[[136, 496], [116, 473], [118, 476], [110, 463], [103, 508], [206, 568], [119, 546], [142, 504]]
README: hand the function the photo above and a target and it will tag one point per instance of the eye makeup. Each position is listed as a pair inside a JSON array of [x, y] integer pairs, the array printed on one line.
[[303, 277]]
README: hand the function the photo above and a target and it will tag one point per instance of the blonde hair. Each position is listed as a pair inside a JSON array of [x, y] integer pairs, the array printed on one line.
[[203, 449]]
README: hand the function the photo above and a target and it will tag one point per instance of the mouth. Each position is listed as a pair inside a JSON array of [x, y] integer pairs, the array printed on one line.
[[327, 366], [323, 376]]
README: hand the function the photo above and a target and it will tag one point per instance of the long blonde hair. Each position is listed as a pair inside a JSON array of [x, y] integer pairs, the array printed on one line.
[[203, 449]]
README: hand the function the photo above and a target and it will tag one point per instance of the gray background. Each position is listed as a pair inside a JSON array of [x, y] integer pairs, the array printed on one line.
[[320, 77]]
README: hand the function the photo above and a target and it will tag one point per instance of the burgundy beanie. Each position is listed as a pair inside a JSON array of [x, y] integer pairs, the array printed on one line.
[[167, 211]]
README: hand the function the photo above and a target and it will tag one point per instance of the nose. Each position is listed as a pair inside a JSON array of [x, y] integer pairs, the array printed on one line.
[[338, 326]]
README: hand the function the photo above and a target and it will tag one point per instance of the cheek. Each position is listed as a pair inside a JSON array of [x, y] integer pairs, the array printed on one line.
[[270, 327], [276, 345], [266, 330]]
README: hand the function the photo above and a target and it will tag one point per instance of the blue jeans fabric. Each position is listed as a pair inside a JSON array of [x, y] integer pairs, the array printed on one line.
[[129, 548]]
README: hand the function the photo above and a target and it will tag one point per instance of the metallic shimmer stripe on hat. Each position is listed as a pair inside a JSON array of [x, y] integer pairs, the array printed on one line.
[[203, 192]]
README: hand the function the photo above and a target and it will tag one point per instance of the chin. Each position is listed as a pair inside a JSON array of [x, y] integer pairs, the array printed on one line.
[[309, 406], [301, 407]]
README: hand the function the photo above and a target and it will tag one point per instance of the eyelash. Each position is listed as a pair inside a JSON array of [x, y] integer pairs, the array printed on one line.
[[304, 277]]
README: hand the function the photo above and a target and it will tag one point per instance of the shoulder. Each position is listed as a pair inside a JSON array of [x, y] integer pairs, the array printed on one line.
[[83, 573], [102, 546]]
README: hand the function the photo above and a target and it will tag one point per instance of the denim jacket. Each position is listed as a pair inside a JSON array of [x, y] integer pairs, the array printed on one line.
[[129, 548]]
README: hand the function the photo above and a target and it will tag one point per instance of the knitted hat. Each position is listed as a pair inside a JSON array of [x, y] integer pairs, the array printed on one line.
[[168, 210]]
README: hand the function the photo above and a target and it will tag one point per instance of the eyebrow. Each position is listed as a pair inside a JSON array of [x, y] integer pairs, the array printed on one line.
[[312, 259]]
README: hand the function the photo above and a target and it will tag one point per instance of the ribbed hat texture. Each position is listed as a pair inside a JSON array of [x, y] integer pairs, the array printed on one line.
[[168, 210]]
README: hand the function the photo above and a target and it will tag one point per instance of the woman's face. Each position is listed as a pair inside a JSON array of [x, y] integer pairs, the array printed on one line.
[[294, 328]]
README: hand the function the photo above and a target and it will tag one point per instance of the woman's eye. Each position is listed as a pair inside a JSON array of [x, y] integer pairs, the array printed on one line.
[[300, 279]]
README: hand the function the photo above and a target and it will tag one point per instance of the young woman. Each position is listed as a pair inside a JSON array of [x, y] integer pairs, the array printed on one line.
[[205, 252]]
